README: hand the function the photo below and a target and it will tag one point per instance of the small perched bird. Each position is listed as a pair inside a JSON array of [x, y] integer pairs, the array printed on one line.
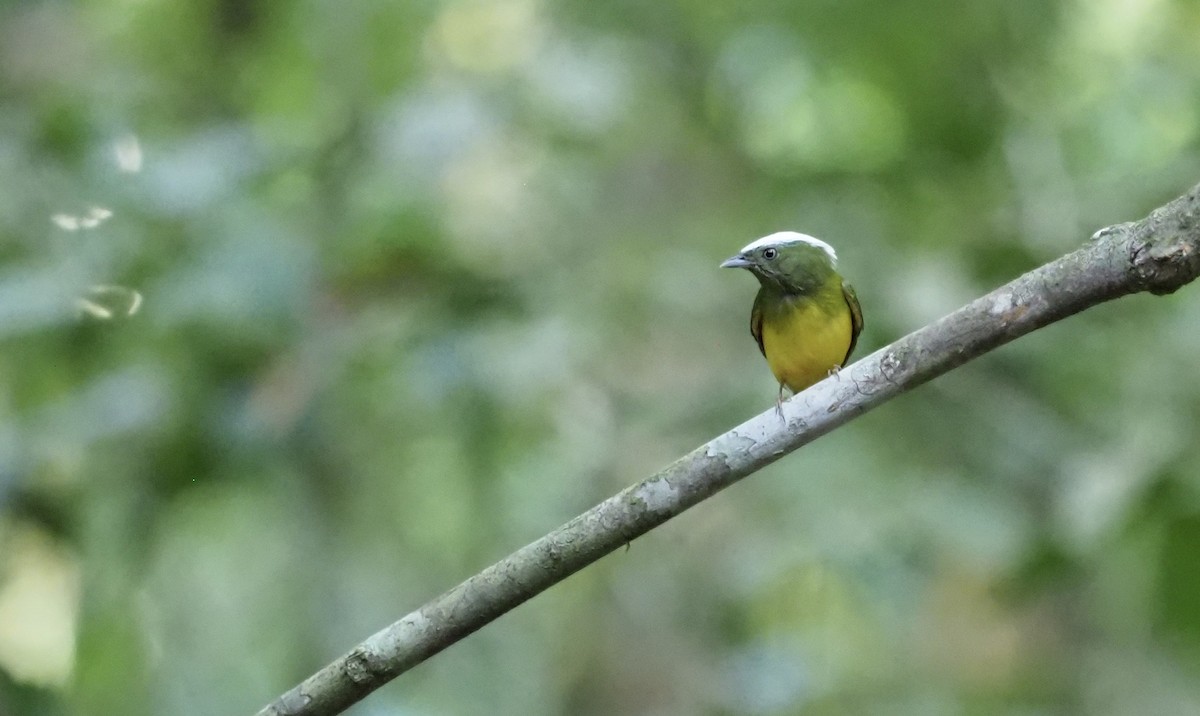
[[806, 318]]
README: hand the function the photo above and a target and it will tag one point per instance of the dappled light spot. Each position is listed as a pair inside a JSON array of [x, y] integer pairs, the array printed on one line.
[[128, 153], [90, 219], [793, 114], [39, 602], [586, 87], [105, 301], [486, 37], [492, 206]]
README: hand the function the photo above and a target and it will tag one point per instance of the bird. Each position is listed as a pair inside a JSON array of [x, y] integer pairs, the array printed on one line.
[[806, 318]]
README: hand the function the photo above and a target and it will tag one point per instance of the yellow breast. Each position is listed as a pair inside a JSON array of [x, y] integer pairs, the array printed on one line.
[[804, 343]]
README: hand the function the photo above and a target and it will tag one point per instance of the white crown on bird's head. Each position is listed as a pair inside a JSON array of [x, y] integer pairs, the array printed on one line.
[[785, 238]]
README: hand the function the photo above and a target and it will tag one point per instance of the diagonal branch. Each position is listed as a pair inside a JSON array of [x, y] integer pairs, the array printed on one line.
[[1158, 254]]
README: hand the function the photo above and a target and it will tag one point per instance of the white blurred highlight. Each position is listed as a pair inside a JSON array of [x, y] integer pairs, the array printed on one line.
[[39, 607], [94, 216], [66, 222], [106, 301], [128, 151]]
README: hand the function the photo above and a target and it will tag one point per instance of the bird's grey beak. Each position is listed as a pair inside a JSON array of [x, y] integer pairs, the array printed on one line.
[[738, 261]]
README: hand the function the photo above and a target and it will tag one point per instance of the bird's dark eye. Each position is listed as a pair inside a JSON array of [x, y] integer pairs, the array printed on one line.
[[770, 254]]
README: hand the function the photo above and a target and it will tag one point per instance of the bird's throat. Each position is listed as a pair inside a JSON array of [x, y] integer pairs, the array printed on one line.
[[825, 294]]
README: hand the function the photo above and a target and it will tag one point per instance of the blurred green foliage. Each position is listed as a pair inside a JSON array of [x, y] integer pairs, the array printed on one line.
[[423, 280]]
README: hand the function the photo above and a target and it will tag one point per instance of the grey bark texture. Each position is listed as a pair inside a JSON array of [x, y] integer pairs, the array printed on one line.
[[1158, 254]]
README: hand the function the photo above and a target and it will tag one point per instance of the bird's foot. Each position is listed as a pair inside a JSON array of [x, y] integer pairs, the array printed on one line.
[[835, 371], [779, 403]]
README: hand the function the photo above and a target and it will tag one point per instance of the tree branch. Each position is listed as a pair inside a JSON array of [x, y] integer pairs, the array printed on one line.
[[1158, 254]]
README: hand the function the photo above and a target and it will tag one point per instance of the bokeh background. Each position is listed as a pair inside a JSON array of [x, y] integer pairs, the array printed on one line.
[[420, 281]]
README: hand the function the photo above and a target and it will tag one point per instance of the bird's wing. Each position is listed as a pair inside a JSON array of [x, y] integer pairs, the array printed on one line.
[[756, 321], [856, 318]]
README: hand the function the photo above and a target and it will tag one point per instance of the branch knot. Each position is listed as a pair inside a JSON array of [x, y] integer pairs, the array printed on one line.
[[1162, 266]]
